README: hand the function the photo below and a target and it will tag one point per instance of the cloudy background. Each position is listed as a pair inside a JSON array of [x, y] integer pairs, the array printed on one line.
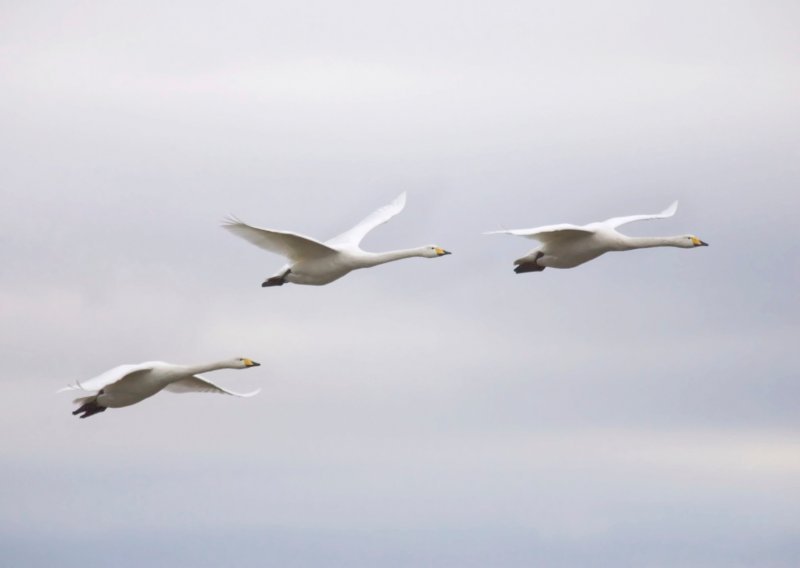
[[641, 410]]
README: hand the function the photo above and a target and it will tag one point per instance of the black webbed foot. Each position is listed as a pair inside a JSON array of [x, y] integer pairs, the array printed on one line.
[[530, 266], [89, 409], [276, 280]]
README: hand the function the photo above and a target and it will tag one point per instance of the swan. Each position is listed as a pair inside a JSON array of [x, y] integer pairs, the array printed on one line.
[[128, 384], [568, 246], [316, 263]]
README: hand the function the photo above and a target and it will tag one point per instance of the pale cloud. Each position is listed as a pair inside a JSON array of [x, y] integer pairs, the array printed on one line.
[[428, 412]]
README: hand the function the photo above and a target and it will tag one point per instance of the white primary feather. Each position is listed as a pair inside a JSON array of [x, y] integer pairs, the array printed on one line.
[[356, 234], [546, 232], [111, 376], [615, 222], [199, 384], [291, 245]]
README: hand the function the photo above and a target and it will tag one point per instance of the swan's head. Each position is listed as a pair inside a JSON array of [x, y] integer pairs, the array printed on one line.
[[244, 363], [691, 241], [432, 251]]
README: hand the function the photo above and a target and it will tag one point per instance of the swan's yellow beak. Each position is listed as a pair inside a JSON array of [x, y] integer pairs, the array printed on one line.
[[442, 252], [251, 363], [698, 243]]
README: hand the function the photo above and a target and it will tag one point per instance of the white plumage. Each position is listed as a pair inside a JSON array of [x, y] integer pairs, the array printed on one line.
[[316, 263], [568, 246], [128, 384]]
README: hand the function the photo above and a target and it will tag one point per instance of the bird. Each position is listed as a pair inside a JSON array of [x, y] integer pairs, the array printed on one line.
[[125, 385], [568, 246], [316, 263]]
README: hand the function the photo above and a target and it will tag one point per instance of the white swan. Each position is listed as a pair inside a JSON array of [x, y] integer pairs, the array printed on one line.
[[317, 263], [129, 384], [567, 246]]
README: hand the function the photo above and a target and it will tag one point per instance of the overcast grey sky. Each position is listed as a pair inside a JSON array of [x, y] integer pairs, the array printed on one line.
[[640, 410]]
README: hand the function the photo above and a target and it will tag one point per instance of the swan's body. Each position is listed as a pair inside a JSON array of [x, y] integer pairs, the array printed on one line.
[[568, 246], [316, 263], [129, 384]]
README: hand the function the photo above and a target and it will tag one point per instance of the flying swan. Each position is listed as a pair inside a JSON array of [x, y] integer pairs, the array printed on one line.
[[568, 246], [316, 263], [128, 384]]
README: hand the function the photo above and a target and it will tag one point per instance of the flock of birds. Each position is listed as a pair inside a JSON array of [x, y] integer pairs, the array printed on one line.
[[315, 263]]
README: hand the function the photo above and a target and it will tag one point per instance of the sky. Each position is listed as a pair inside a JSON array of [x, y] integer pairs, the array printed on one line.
[[639, 410]]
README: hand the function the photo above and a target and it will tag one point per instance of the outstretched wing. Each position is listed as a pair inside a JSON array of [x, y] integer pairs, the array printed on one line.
[[355, 235], [196, 383], [109, 377], [548, 232], [617, 221], [291, 245]]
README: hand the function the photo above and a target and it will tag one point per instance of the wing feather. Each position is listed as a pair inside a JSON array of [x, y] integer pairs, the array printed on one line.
[[195, 383], [547, 232], [109, 377], [291, 245], [378, 217], [615, 222]]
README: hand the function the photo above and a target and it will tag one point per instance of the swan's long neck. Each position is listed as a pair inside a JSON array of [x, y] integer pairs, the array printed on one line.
[[376, 258], [197, 369], [650, 242]]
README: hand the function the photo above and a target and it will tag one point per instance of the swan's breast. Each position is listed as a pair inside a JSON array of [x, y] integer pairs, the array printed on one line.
[[569, 253], [115, 396], [131, 390], [319, 271]]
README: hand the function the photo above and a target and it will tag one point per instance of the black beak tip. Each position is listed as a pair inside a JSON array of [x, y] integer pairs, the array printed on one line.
[[254, 364], [446, 252], [703, 244]]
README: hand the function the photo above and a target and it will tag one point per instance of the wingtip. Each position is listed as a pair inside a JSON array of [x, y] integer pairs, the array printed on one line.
[[231, 219], [670, 211]]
